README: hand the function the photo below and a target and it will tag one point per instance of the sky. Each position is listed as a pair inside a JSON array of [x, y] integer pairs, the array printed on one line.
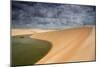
[[51, 15]]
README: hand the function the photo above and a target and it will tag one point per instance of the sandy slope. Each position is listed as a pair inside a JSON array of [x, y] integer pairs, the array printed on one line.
[[69, 45]]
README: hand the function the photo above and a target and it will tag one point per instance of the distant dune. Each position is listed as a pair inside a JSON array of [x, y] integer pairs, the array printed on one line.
[[15, 32], [69, 45]]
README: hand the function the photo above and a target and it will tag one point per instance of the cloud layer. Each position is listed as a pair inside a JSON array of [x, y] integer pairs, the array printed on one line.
[[50, 15]]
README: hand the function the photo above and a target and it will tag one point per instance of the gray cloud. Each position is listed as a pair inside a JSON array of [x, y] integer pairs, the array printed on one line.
[[48, 15]]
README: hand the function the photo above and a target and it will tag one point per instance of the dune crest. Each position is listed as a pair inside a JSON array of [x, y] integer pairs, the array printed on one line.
[[70, 45]]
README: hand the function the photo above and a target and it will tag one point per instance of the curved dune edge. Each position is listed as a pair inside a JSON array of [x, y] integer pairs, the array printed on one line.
[[70, 45]]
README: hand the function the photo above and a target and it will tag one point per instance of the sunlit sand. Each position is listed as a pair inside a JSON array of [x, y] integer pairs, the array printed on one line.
[[70, 45]]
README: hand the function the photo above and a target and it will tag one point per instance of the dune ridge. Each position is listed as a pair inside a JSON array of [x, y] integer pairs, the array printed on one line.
[[70, 45]]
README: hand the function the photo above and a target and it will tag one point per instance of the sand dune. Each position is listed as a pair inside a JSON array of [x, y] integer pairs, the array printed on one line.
[[27, 31], [69, 45]]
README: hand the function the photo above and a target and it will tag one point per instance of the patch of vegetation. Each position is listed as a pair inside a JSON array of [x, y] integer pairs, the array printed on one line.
[[27, 51]]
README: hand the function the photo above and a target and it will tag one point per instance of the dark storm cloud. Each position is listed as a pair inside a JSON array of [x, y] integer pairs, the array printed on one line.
[[48, 15]]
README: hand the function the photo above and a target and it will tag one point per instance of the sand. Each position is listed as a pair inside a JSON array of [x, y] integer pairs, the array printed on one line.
[[15, 32], [69, 45]]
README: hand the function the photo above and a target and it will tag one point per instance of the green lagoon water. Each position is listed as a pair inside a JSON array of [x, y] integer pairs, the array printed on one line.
[[27, 51]]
